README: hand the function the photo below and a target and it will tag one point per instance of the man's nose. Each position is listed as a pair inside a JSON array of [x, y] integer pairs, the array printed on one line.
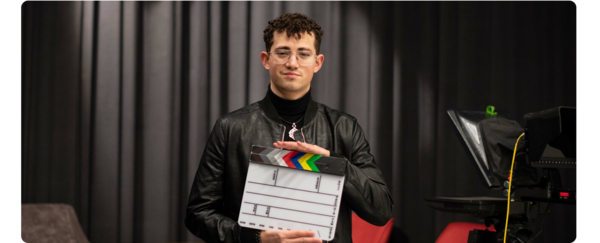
[[292, 61]]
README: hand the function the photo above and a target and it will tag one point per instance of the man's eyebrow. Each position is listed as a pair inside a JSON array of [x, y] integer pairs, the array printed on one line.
[[282, 48], [304, 49]]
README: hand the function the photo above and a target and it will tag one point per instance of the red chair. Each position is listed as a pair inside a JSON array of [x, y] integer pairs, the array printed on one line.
[[458, 232], [363, 232]]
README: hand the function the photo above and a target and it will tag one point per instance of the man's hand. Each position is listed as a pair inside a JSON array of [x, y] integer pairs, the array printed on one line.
[[288, 236], [302, 147]]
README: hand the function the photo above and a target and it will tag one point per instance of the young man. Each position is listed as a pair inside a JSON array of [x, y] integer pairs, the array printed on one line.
[[286, 118]]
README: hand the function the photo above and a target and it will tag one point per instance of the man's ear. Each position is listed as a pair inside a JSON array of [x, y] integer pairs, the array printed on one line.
[[319, 62], [264, 58]]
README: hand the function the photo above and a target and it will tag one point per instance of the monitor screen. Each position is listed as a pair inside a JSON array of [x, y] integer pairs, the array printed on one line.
[[551, 137]]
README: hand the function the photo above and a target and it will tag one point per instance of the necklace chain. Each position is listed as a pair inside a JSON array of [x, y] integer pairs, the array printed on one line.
[[291, 123]]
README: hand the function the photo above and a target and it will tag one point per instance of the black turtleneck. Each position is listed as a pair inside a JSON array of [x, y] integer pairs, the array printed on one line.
[[290, 110]]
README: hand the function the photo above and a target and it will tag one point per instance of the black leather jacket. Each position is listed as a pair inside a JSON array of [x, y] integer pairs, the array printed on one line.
[[216, 195]]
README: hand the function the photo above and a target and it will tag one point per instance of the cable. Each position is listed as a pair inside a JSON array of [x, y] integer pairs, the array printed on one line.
[[510, 178], [541, 229], [517, 239]]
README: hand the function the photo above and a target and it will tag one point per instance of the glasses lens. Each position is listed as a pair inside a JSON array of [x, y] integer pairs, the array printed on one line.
[[304, 58], [281, 57]]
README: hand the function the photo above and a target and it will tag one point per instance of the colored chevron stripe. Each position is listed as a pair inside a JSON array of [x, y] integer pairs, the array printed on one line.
[[286, 158], [256, 157], [279, 157], [257, 150], [311, 161], [303, 163], [297, 163]]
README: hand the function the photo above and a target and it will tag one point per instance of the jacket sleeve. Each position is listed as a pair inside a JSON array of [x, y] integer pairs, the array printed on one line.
[[365, 190], [204, 212]]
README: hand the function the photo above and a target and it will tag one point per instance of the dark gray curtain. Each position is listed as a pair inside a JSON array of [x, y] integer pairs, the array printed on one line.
[[119, 98]]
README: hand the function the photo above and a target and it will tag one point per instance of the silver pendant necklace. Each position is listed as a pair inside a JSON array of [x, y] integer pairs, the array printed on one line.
[[294, 129]]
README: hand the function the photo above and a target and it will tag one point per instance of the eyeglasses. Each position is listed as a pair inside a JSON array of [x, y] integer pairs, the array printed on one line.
[[304, 58]]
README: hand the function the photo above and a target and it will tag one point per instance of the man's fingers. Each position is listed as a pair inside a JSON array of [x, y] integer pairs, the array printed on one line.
[[300, 236], [296, 234], [302, 147], [313, 149], [304, 240], [287, 145], [289, 236]]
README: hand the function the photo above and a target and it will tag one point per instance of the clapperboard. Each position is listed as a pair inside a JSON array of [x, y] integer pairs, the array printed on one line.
[[290, 190]]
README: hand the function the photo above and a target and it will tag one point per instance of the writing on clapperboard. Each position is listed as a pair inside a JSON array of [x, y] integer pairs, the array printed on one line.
[[318, 181]]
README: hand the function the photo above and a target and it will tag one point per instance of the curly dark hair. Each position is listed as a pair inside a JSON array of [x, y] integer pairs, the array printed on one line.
[[293, 24]]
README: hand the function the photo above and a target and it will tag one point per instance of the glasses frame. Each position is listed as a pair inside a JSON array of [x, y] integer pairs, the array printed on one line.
[[297, 59]]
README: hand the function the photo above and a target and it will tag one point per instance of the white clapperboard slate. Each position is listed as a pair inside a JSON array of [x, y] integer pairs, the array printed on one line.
[[289, 190]]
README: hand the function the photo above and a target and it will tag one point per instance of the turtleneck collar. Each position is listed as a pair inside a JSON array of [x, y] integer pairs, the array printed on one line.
[[269, 110], [289, 110]]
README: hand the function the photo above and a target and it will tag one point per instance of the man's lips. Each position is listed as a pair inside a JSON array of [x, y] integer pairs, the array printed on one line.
[[291, 75]]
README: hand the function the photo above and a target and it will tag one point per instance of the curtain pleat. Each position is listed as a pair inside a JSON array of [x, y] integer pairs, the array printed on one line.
[[119, 98]]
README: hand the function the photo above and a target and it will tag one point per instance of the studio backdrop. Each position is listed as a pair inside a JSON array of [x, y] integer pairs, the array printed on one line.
[[119, 98]]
